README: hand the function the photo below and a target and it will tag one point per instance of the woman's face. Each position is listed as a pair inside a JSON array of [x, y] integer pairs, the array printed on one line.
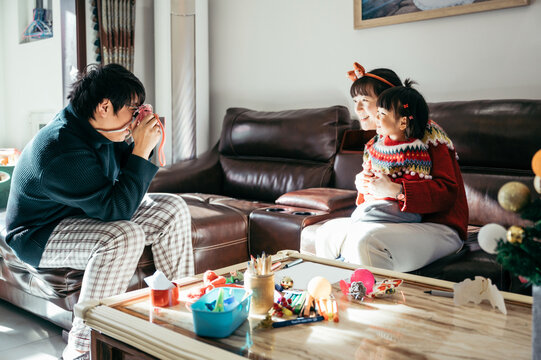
[[366, 110]]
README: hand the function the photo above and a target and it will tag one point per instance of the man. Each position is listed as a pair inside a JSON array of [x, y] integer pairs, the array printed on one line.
[[78, 198]]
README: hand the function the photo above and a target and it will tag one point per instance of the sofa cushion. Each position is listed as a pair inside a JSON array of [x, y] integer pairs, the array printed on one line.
[[265, 154], [306, 134], [325, 199], [219, 229], [266, 180]]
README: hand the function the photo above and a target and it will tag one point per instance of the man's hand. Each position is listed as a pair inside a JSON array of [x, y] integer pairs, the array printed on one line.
[[146, 136]]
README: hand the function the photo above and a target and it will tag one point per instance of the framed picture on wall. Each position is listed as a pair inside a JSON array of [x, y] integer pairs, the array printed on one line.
[[370, 13]]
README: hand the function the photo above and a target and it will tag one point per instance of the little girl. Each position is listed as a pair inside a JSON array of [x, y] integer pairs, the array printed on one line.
[[396, 151]]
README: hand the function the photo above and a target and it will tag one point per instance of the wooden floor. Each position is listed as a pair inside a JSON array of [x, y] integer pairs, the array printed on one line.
[[26, 336]]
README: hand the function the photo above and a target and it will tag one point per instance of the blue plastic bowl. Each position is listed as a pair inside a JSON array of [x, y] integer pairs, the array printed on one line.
[[220, 324]]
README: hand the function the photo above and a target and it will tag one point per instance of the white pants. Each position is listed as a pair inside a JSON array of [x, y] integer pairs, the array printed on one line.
[[395, 246]]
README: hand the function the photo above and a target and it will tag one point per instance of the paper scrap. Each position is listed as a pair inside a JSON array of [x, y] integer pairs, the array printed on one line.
[[158, 281]]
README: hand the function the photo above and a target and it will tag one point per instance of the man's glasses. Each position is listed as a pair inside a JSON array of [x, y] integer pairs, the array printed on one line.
[[136, 111]]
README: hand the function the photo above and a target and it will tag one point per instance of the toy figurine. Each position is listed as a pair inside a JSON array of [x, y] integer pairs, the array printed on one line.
[[286, 282]]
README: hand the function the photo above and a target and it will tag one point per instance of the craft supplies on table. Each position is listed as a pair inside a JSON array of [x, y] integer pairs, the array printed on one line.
[[219, 324]]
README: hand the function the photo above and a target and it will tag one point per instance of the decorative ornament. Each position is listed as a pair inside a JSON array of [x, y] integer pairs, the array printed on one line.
[[515, 234], [514, 196], [536, 163], [489, 235], [537, 184]]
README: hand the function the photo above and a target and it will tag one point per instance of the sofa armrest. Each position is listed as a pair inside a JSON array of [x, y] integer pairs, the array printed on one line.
[[203, 174], [325, 199]]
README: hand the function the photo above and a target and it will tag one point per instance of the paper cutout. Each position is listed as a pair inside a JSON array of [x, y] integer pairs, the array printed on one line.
[[478, 290]]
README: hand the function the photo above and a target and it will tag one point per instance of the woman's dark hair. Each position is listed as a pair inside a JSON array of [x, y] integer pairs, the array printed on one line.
[[370, 86], [408, 102], [98, 82]]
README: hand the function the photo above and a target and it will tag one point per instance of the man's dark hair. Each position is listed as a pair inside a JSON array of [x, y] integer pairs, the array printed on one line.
[[408, 102], [370, 86], [98, 82]]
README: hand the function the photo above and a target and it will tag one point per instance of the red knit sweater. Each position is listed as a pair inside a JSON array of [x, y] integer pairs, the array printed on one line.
[[442, 199]]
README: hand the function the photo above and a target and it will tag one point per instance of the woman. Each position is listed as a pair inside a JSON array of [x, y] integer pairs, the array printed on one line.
[[441, 200]]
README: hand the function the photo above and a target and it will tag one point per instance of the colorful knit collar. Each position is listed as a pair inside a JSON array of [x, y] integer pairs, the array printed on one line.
[[397, 158], [435, 135]]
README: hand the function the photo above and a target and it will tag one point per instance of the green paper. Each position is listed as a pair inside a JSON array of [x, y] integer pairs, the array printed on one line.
[[219, 302]]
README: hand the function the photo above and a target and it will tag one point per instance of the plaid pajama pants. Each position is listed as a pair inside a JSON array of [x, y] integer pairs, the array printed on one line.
[[108, 252]]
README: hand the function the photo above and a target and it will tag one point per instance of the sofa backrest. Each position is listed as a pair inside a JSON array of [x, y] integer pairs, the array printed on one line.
[[495, 142], [266, 154]]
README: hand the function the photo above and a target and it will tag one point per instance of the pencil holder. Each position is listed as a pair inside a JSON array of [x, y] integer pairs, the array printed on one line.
[[262, 287]]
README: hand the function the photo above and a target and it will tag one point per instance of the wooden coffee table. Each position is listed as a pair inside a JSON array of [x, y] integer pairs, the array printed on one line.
[[407, 325]]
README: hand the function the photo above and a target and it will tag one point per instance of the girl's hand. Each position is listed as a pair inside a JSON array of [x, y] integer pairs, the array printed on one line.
[[381, 186], [362, 180], [146, 135]]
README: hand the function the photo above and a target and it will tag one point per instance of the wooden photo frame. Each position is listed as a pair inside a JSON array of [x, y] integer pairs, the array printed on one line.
[[370, 13]]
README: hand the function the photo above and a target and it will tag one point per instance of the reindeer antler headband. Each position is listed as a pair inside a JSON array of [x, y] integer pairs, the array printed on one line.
[[359, 72]]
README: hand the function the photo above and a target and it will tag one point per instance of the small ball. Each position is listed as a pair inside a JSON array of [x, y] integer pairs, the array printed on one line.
[[537, 184], [515, 234], [319, 288], [536, 163], [489, 235], [514, 196]]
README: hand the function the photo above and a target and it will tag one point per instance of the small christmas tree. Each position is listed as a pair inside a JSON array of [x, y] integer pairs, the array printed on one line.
[[521, 253]]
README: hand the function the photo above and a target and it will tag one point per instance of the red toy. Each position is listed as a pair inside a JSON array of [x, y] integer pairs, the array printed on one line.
[[360, 275], [211, 280]]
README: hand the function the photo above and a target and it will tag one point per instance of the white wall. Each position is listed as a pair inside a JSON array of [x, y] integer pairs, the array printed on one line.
[[32, 76], [3, 40], [143, 65], [281, 54], [31, 73]]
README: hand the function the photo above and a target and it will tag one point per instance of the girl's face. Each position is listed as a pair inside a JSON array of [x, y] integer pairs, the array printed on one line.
[[366, 110], [387, 124]]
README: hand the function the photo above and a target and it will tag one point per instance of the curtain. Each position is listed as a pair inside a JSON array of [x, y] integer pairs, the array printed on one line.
[[116, 23]]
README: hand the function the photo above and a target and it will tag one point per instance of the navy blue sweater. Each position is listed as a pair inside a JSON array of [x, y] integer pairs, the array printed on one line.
[[70, 169]]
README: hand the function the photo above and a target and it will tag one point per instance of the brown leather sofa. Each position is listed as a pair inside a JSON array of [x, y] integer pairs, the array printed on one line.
[[234, 191], [260, 156]]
